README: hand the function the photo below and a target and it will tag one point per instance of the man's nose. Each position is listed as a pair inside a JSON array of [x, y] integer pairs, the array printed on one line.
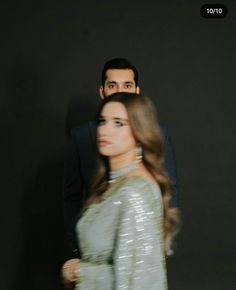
[[119, 89]]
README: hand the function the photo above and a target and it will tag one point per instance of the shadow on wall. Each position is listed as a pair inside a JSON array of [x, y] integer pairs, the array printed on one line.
[[34, 201], [44, 244]]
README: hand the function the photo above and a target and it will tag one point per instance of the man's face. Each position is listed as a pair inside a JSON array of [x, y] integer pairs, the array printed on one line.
[[118, 80]]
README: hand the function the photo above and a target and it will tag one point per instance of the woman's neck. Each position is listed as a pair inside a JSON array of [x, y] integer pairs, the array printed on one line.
[[118, 162]]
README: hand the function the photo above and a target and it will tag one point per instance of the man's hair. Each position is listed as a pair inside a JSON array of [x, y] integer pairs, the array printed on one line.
[[119, 63]]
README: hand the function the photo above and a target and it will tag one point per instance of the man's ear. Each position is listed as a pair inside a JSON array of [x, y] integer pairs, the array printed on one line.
[[101, 92], [137, 90]]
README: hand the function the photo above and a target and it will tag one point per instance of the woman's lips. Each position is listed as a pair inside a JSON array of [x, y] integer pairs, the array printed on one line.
[[104, 142]]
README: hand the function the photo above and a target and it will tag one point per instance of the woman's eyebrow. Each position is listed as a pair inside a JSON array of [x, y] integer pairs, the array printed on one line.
[[120, 119], [115, 118]]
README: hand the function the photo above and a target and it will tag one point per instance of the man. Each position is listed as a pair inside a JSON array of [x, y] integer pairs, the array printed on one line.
[[118, 75]]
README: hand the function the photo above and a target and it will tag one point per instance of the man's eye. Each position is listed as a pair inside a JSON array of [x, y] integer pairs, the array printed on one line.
[[128, 86], [111, 86]]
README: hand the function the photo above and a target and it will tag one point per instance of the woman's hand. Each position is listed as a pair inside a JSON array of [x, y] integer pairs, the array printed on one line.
[[69, 271]]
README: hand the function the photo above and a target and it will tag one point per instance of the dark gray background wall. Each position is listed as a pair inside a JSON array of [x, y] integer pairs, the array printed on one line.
[[52, 53]]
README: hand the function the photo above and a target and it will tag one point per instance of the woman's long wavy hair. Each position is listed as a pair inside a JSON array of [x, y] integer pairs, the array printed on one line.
[[146, 131]]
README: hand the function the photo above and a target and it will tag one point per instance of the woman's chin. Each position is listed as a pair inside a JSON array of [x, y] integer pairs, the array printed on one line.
[[105, 152]]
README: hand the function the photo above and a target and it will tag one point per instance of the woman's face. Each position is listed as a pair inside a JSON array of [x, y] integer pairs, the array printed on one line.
[[114, 134]]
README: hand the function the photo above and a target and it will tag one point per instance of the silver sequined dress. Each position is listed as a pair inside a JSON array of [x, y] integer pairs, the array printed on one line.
[[121, 239]]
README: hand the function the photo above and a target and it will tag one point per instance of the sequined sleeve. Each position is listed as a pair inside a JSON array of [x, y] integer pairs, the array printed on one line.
[[139, 261]]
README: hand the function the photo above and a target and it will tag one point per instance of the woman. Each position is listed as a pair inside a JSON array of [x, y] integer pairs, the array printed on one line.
[[125, 225]]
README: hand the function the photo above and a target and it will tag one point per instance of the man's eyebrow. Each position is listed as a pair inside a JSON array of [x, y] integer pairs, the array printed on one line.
[[129, 82], [126, 82], [111, 82]]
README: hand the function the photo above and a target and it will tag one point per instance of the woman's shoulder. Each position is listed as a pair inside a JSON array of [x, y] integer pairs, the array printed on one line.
[[139, 186]]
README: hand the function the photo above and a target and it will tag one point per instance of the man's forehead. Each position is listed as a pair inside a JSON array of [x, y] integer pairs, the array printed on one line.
[[124, 75]]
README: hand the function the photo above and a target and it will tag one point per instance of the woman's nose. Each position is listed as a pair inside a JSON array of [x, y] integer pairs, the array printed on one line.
[[105, 129]]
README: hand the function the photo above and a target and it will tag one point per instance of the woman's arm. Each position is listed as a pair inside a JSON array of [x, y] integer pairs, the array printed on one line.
[[139, 261]]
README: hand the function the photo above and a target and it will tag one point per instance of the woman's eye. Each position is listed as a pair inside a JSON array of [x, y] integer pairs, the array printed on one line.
[[119, 123], [101, 122]]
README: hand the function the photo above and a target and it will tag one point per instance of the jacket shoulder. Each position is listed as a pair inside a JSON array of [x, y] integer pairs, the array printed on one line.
[[87, 130], [164, 129]]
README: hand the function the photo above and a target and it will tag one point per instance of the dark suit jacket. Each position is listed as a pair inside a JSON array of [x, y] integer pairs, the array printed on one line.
[[80, 161]]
